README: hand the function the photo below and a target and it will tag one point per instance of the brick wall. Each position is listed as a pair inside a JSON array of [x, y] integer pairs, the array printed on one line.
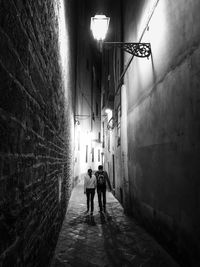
[[36, 133]]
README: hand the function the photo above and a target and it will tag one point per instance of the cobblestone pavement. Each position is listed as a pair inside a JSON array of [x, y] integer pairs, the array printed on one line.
[[105, 240]]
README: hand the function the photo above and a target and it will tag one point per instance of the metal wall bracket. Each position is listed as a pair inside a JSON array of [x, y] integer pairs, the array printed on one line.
[[135, 49]]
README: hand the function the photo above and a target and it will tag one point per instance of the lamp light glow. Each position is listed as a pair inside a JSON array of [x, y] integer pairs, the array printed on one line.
[[99, 26], [108, 111]]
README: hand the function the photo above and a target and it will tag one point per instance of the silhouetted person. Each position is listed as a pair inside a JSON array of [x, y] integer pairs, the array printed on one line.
[[102, 178], [89, 189]]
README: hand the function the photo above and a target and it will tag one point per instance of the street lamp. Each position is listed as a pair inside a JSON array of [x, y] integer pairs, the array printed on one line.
[[111, 123], [99, 27]]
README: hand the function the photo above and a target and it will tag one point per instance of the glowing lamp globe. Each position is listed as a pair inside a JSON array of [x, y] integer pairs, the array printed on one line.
[[99, 26]]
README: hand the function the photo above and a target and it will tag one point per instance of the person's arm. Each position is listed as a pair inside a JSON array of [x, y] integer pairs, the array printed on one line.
[[95, 181], [96, 177], [108, 180]]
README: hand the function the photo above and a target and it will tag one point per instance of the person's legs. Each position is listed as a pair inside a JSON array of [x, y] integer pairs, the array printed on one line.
[[104, 199], [99, 198], [92, 199], [88, 199]]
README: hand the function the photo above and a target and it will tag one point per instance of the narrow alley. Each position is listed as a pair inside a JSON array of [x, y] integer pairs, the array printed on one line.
[[108, 239], [91, 85]]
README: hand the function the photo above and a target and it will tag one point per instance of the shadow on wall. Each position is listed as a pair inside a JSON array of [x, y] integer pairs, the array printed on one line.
[[166, 229]]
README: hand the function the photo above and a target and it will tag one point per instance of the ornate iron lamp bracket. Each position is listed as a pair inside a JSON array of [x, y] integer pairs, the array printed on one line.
[[135, 49]]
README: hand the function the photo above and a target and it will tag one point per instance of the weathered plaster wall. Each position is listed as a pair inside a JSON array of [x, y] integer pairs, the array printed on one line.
[[164, 122], [36, 127]]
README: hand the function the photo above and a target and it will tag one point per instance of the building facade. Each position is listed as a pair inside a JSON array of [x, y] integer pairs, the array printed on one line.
[[151, 152], [88, 148]]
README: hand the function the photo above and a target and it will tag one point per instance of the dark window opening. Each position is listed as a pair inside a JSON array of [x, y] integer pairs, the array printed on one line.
[[97, 109], [92, 154], [86, 156]]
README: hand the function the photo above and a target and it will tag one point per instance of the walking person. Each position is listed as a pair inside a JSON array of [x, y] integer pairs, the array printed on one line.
[[102, 178], [89, 190]]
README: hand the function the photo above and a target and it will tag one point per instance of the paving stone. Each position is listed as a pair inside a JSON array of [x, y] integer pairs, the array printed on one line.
[[105, 240]]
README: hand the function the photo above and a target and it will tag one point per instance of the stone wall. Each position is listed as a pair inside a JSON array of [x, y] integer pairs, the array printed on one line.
[[164, 121], [36, 127]]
